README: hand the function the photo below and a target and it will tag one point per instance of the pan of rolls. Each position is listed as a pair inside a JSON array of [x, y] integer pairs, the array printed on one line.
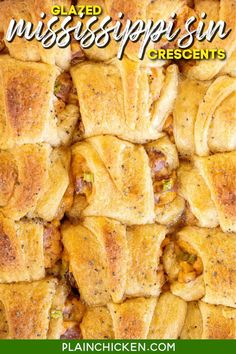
[[117, 185]]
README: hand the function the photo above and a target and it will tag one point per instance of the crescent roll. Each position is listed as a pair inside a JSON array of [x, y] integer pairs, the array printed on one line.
[[204, 321], [201, 266], [29, 11], [27, 249], [35, 104], [224, 10], [130, 183], [206, 121], [112, 178], [139, 98], [210, 189], [110, 262], [138, 318], [34, 182], [28, 310]]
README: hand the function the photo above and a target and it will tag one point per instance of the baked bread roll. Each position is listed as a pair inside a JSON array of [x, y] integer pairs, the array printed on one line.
[[35, 182], [116, 179], [32, 310], [206, 121], [29, 11], [209, 187], [110, 262], [139, 98], [204, 321], [224, 10], [138, 318], [27, 249], [112, 178], [35, 104], [200, 265]]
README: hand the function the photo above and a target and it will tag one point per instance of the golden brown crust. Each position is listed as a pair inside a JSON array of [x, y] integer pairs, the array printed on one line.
[[139, 98], [144, 251], [205, 122], [224, 10], [24, 50], [26, 99], [122, 186], [97, 258], [29, 316], [97, 324], [168, 318], [109, 262], [217, 251], [39, 179], [131, 319], [204, 321], [219, 173]]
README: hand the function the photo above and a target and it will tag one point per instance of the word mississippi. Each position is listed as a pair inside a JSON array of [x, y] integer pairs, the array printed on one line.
[[121, 31]]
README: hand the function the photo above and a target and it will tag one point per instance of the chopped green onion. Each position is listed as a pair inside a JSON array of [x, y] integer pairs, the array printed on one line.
[[183, 256], [56, 314], [88, 177], [57, 88], [192, 258], [167, 185]]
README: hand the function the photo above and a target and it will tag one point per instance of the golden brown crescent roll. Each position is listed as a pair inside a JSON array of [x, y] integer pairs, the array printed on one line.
[[110, 261], [138, 318], [210, 189], [21, 251], [201, 266], [204, 321], [219, 174], [27, 248], [112, 178], [35, 104], [28, 310], [206, 121], [29, 11], [34, 181], [168, 317], [224, 10], [97, 324], [132, 318], [139, 98]]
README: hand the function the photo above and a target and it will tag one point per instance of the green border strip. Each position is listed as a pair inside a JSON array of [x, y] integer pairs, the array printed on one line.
[[117, 346]]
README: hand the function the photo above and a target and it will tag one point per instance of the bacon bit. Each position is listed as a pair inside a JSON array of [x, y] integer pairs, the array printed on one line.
[[52, 245], [158, 164], [82, 186], [72, 333], [63, 87], [77, 53]]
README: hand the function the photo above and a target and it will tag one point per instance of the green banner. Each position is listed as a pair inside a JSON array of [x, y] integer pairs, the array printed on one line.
[[117, 346]]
